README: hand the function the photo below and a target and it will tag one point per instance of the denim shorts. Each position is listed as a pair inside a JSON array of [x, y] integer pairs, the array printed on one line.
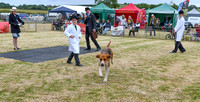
[[16, 35]]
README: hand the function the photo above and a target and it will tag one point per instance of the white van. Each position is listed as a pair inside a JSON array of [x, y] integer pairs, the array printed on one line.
[[194, 20]]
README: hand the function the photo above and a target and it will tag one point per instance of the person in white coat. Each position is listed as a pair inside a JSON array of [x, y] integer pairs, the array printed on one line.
[[73, 32], [179, 30]]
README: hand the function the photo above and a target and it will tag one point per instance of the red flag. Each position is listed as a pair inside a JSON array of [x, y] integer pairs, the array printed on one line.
[[141, 17]]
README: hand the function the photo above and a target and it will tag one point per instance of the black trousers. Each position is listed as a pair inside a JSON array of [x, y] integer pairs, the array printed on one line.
[[179, 46], [153, 28], [88, 40], [131, 31], [75, 56]]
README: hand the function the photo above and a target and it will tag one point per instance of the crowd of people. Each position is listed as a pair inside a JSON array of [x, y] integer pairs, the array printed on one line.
[[195, 32]]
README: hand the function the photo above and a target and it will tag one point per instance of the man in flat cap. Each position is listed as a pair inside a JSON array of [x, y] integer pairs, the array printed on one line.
[[90, 22], [179, 30]]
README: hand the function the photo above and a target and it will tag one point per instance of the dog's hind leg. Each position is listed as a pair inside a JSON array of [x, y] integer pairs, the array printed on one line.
[[106, 74]]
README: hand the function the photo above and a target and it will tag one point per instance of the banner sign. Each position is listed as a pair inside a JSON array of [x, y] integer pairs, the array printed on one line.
[[141, 17], [83, 27]]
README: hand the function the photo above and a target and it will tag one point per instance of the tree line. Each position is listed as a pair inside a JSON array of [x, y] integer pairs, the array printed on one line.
[[114, 4], [25, 7]]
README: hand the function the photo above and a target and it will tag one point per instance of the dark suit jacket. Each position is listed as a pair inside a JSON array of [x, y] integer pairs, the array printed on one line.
[[91, 20], [13, 20]]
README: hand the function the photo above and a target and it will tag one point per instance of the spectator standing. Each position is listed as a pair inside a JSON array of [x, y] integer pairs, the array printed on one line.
[[158, 22], [15, 23], [152, 23], [131, 26], [137, 25], [123, 23]]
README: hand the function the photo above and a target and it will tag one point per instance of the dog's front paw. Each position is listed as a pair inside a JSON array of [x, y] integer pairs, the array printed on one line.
[[101, 76], [105, 80]]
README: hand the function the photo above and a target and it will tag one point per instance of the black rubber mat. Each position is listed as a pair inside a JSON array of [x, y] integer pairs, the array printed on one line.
[[42, 54]]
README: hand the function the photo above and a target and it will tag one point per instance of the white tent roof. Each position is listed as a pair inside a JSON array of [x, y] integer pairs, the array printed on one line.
[[193, 11], [79, 9]]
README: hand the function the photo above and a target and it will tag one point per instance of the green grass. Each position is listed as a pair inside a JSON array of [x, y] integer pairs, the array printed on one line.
[[25, 11], [143, 70]]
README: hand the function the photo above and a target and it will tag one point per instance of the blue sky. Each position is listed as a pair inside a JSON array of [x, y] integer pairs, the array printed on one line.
[[76, 2]]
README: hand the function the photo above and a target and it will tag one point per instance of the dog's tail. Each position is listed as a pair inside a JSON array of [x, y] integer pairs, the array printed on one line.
[[109, 43]]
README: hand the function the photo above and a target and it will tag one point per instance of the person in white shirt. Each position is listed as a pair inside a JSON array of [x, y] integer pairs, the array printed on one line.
[[73, 32], [179, 30], [137, 25], [123, 23]]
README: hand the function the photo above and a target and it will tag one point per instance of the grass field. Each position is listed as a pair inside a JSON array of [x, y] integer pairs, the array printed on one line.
[[25, 11], [143, 70]]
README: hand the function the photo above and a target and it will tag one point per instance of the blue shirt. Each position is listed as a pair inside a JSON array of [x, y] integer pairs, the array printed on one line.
[[108, 25]]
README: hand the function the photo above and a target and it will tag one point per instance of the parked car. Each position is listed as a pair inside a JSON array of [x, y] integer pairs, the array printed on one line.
[[37, 17], [188, 24], [23, 15]]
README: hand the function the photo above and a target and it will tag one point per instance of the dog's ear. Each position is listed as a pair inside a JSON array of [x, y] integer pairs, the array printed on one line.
[[108, 56], [98, 56]]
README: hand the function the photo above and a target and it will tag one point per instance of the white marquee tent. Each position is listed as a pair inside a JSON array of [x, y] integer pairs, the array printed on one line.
[[193, 13], [79, 9]]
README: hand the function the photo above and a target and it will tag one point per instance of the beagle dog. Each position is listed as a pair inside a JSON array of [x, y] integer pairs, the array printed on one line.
[[105, 57]]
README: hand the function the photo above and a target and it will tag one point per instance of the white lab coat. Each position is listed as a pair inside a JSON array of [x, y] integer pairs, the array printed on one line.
[[179, 28], [73, 43], [123, 22]]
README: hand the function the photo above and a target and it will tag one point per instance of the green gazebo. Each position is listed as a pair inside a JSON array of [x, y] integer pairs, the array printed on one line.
[[103, 12], [164, 12]]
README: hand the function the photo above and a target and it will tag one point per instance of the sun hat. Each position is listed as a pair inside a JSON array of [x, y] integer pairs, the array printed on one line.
[[13, 9]]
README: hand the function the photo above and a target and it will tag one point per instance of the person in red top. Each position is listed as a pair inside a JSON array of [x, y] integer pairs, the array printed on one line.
[[197, 27], [198, 30]]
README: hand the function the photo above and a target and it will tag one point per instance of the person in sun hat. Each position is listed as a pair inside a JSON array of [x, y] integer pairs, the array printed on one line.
[[73, 32], [15, 23], [179, 30], [152, 23]]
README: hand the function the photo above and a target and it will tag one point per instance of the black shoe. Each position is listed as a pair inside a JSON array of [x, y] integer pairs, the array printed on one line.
[[69, 62], [80, 65], [18, 48], [98, 49], [183, 51], [172, 52], [87, 49], [15, 48]]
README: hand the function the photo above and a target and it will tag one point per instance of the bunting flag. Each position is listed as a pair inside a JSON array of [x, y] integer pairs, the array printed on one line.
[[183, 5], [180, 6], [141, 17]]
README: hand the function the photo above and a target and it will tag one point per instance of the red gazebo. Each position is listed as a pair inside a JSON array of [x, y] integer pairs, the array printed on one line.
[[133, 11]]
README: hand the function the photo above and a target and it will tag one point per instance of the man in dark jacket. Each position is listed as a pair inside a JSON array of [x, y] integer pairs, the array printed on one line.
[[90, 22], [15, 23]]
